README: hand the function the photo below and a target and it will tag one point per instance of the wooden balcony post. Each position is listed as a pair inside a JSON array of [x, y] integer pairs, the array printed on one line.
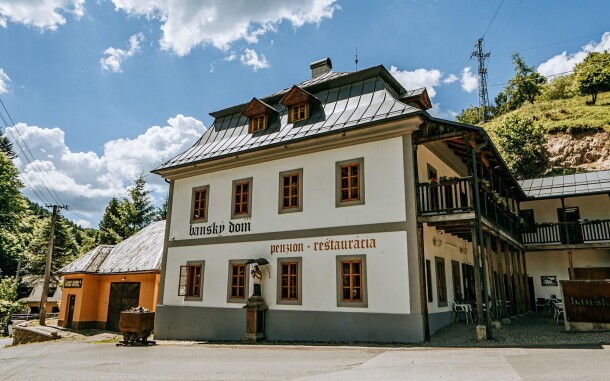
[[516, 276], [501, 277], [490, 273], [528, 292], [478, 284], [509, 281]]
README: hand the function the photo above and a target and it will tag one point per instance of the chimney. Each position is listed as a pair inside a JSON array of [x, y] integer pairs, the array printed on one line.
[[320, 67]]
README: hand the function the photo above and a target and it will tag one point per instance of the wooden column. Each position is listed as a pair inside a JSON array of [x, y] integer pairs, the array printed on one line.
[[422, 281], [501, 285], [522, 282], [490, 274], [478, 284], [528, 292], [570, 265], [509, 282], [516, 283]]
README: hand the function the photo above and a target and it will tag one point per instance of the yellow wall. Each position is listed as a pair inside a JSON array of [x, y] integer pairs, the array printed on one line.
[[92, 298]]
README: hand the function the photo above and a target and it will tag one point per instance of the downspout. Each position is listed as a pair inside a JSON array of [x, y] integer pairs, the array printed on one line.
[[477, 216]]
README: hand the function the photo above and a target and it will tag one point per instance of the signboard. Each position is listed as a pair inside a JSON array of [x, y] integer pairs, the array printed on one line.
[[73, 283], [587, 302]]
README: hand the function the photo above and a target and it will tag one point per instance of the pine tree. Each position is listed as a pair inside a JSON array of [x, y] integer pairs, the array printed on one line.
[[162, 210], [138, 210], [13, 210], [6, 147], [65, 249], [111, 228]]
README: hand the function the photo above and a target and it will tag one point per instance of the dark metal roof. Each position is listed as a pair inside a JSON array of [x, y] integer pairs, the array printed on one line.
[[343, 105], [139, 253], [568, 185]]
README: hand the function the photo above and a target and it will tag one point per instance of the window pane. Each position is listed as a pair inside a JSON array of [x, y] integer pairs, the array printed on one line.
[[346, 294], [356, 267], [346, 280], [354, 182], [354, 193], [344, 195], [344, 171], [345, 268], [286, 181], [286, 191], [284, 292], [356, 280], [344, 183], [356, 293], [354, 170]]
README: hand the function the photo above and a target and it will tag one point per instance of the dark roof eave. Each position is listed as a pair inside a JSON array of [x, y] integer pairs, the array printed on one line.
[[581, 194], [109, 273], [363, 125]]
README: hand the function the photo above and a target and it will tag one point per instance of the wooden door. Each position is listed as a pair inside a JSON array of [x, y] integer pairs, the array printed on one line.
[[569, 228], [123, 296], [71, 304]]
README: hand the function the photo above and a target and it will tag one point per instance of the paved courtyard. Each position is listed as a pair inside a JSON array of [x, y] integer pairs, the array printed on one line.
[[78, 360]]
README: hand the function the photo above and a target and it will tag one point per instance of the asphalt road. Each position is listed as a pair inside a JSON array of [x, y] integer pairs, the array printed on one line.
[[76, 360]]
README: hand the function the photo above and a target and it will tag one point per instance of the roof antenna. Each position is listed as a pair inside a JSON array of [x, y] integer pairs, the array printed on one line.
[[356, 60]]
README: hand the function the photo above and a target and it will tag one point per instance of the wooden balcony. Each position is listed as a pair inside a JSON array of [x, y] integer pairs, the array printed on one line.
[[453, 200], [575, 234]]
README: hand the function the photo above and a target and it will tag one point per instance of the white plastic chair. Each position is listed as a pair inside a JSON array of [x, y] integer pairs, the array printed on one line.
[[462, 309]]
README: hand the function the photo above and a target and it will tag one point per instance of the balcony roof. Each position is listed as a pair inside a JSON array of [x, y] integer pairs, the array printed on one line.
[[578, 184]]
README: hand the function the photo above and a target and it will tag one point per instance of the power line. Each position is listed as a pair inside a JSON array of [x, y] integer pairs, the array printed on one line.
[[493, 18], [506, 25], [42, 176], [545, 45]]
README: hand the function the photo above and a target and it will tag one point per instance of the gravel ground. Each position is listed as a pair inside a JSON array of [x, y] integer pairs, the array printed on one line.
[[534, 330]]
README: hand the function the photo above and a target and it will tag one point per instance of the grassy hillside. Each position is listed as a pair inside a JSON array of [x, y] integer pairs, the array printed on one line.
[[565, 115]]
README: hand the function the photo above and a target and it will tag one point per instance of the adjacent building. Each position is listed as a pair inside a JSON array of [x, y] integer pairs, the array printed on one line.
[[373, 215], [110, 279]]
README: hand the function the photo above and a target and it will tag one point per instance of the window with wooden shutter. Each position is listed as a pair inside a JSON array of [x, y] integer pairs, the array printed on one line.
[[351, 281], [191, 281]]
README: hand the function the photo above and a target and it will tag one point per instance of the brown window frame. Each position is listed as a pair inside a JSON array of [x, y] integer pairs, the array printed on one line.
[[349, 201], [441, 281], [241, 214], [299, 193], [190, 281], [429, 281], [231, 297], [352, 302], [296, 109], [258, 123], [195, 207], [295, 263]]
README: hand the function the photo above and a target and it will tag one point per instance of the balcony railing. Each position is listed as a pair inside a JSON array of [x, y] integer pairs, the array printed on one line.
[[455, 196], [568, 232]]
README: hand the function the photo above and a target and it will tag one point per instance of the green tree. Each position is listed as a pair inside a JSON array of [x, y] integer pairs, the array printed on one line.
[[138, 210], [111, 228], [593, 75], [65, 248], [522, 146], [6, 147], [471, 115], [8, 299], [525, 86], [162, 210], [559, 88], [13, 210]]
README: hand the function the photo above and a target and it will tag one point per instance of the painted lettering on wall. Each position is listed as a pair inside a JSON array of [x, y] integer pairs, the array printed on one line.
[[327, 245], [217, 229]]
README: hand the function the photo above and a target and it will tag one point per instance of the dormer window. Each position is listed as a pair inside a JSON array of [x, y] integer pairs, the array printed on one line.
[[258, 123], [259, 115], [299, 103], [299, 112]]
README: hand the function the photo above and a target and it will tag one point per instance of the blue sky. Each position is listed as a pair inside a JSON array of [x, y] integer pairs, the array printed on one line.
[[101, 90]]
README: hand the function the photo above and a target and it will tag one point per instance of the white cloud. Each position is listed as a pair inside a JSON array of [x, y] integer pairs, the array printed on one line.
[[251, 58], [564, 62], [451, 78], [117, 56], [188, 24], [86, 180], [231, 57], [418, 78], [439, 112], [40, 14], [468, 81], [4, 80]]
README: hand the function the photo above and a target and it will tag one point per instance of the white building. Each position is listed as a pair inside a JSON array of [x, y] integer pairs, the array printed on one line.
[[328, 181]]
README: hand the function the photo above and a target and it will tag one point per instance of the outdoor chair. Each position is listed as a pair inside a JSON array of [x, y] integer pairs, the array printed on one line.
[[462, 309], [558, 311]]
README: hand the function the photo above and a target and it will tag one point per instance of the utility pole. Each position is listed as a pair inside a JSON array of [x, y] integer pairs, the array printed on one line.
[[47, 270], [483, 95]]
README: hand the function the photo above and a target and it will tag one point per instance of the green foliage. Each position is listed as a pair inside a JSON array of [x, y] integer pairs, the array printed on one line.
[[6, 147], [525, 86], [8, 299], [65, 248], [559, 88], [471, 115], [111, 226], [13, 208], [522, 146], [561, 171], [564, 115], [593, 74], [138, 210], [162, 210]]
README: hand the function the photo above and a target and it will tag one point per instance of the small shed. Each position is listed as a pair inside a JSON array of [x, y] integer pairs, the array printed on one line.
[[30, 293], [110, 279]]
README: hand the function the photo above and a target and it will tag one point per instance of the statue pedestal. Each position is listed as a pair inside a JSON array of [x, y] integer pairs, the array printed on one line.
[[255, 320]]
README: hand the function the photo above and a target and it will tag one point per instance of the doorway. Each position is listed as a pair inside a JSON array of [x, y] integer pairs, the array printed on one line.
[[71, 304], [123, 296], [468, 273], [569, 228]]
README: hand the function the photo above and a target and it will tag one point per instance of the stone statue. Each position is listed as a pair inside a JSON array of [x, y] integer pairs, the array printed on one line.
[[257, 275]]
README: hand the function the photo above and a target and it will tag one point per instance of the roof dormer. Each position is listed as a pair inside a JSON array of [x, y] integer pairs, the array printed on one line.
[[417, 98], [258, 113], [299, 103]]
